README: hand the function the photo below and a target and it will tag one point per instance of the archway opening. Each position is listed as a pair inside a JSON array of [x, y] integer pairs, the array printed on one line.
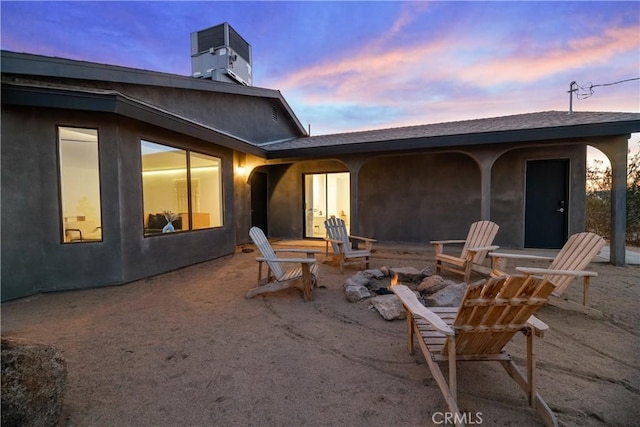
[[598, 192]]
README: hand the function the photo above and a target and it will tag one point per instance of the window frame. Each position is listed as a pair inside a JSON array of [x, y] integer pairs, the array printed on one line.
[[188, 177], [61, 222]]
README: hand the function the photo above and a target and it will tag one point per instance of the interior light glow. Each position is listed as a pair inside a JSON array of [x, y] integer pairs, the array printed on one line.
[[181, 171]]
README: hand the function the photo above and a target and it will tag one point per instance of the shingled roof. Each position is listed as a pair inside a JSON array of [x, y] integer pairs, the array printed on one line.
[[516, 128], [541, 126]]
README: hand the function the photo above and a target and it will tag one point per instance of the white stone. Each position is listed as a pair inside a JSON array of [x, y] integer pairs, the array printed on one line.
[[356, 293], [389, 307]]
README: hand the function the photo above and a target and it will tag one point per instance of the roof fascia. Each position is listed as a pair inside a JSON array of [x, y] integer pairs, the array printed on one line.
[[460, 140], [116, 103]]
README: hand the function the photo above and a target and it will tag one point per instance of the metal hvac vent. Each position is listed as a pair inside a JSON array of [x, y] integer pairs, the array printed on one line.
[[238, 44], [210, 38], [220, 53]]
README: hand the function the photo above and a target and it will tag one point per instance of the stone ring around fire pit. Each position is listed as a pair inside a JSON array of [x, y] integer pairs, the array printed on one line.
[[374, 285]]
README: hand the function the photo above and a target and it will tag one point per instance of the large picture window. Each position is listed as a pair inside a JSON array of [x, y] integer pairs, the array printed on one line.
[[181, 190], [79, 170]]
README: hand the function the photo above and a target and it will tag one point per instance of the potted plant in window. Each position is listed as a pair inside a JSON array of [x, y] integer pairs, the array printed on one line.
[[170, 217]]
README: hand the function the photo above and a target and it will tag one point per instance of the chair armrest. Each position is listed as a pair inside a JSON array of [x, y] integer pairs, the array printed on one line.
[[291, 260], [364, 239], [300, 251], [438, 245], [520, 256], [411, 303], [484, 248], [498, 259], [575, 273], [471, 252], [443, 242], [336, 241], [538, 326]]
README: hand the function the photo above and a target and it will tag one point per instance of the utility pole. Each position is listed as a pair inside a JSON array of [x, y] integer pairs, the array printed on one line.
[[571, 90]]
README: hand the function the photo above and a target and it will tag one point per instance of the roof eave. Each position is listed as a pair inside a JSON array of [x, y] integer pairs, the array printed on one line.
[[45, 66], [459, 140], [45, 97]]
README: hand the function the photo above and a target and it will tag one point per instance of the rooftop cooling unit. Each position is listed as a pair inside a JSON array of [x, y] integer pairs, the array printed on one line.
[[220, 53]]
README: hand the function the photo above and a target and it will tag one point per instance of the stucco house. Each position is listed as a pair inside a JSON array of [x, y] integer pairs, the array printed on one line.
[[97, 158]]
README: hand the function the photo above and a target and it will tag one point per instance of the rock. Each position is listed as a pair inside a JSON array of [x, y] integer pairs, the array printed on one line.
[[375, 273], [433, 284], [407, 274], [389, 307], [427, 271], [451, 296], [356, 293], [385, 271], [358, 279], [34, 380]]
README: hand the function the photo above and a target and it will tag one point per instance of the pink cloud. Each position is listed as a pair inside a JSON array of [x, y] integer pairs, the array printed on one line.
[[386, 77], [583, 52]]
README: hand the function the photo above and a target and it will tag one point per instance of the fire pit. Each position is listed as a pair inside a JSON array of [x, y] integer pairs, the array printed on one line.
[[375, 286]]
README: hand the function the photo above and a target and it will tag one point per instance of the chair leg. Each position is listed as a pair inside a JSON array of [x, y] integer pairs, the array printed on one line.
[[467, 273], [259, 272], [410, 332], [529, 384], [585, 290], [531, 370], [448, 390], [453, 382], [306, 283]]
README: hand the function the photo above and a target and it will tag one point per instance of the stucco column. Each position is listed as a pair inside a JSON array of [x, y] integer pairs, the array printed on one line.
[[485, 190], [616, 151], [485, 160], [354, 166], [618, 206]]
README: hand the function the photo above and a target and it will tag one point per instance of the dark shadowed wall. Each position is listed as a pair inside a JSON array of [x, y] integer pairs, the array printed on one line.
[[34, 259]]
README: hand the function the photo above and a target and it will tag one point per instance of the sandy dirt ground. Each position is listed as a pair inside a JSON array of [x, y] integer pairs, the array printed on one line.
[[187, 349]]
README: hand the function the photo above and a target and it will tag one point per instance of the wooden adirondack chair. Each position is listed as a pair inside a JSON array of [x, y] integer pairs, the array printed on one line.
[[340, 242], [277, 278], [569, 263], [474, 251], [491, 312]]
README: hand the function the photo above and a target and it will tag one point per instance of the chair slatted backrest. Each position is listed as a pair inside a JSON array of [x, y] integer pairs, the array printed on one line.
[[481, 234], [260, 240], [493, 310], [576, 254], [337, 230]]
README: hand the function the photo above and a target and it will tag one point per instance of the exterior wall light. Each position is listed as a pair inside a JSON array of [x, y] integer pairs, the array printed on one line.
[[242, 159]]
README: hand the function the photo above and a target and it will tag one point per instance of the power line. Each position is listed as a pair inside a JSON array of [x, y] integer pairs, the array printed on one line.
[[586, 91]]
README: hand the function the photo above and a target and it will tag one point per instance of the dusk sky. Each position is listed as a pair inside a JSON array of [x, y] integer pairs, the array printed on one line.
[[346, 66]]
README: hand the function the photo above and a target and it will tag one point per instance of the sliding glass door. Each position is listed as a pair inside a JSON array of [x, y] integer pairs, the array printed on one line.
[[325, 195]]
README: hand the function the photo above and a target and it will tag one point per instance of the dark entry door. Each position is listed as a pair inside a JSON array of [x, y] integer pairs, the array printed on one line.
[[259, 197], [546, 210]]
